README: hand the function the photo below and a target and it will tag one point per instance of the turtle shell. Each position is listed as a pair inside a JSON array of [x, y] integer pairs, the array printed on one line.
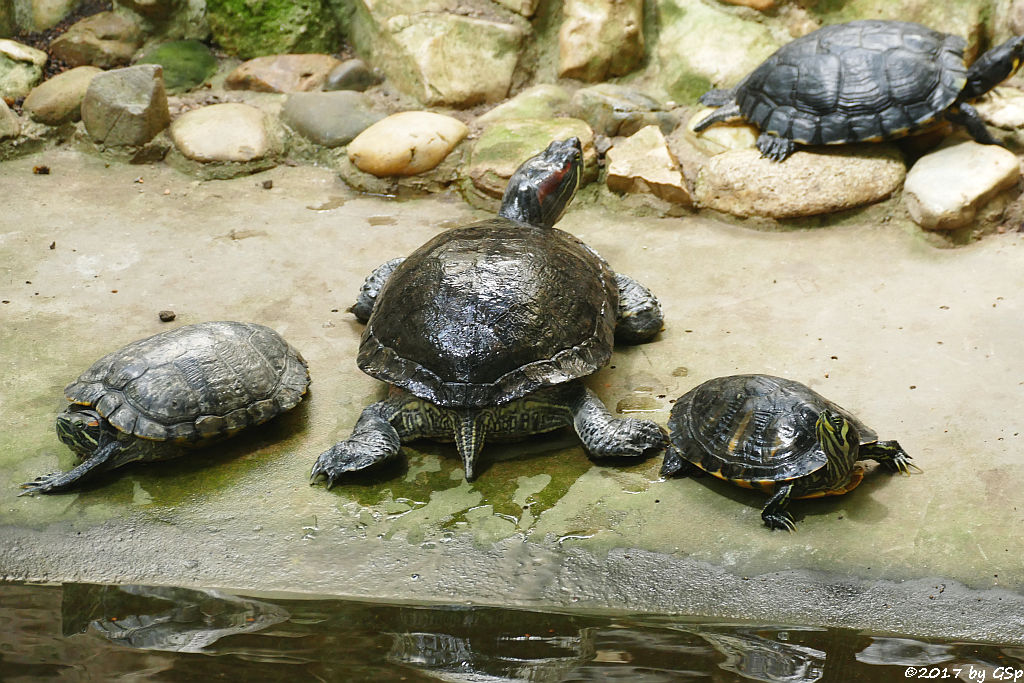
[[752, 429], [863, 80], [487, 313], [194, 383]]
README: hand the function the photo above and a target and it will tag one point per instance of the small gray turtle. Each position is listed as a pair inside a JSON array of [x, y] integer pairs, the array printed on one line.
[[486, 331], [158, 397], [775, 435], [863, 81]]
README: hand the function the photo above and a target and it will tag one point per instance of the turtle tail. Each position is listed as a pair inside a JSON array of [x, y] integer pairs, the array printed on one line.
[[728, 112]]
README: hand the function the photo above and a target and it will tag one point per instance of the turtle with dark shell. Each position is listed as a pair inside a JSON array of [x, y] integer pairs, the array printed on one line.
[[486, 330], [775, 435], [158, 397], [863, 81]]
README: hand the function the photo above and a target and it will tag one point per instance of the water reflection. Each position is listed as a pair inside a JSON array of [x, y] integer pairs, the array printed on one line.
[[84, 632]]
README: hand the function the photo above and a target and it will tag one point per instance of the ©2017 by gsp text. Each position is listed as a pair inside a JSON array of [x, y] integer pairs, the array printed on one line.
[[965, 672]]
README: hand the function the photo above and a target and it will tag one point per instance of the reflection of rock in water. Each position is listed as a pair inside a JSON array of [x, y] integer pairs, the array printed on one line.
[[479, 644], [194, 620], [762, 659], [904, 652]]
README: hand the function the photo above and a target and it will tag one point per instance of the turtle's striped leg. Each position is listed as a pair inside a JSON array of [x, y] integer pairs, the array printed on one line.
[[639, 316], [774, 514], [968, 117], [103, 458], [890, 455], [378, 436], [605, 436]]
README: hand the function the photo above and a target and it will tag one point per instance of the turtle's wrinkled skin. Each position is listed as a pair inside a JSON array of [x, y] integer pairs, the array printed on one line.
[[485, 331], [862, 81], [776, 435], [185, 388]]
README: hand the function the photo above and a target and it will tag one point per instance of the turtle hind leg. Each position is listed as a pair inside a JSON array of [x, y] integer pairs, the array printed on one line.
[[103, 458], [968, 117], [375, 439], [675, 465], [374, 282], [605, 436], [890, 455], [774, 147], [774, 514], [639, 317]]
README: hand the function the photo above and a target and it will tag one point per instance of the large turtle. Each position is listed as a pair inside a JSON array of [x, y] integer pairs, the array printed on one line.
[[776, 435], [188, 387], [486, 330], [862, 81]]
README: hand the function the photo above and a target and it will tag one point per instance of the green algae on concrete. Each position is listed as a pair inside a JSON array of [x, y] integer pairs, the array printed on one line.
[[269, 27]]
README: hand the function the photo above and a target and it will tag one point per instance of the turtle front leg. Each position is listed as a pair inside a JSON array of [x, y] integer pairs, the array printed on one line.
[[605, 436], [102, 458], [890, 455], [639, 316], [968, 117], [774, 514], [371, 288]]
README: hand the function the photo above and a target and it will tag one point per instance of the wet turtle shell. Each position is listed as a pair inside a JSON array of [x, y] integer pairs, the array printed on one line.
[[487, 313], [195, 383], [863, 80], [754, 430]]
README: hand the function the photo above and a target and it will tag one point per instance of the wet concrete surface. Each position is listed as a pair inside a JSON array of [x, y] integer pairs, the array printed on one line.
[[920, 342]]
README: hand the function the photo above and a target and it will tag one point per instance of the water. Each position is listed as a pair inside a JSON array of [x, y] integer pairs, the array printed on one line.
[[80, 632]]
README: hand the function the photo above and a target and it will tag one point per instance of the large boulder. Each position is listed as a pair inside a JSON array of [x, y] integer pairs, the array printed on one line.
[[600, 38], [126, 107], [251, 29], [21, 67], [441, 52]]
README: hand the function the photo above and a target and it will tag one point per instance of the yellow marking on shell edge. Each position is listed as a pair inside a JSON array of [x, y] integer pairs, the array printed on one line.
[[876, 138]]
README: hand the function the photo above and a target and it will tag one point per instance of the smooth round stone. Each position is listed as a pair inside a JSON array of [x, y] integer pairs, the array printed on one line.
[[186, 63], [406, 143], [59, 99], [331, 119], [352, 74], [222, 132]]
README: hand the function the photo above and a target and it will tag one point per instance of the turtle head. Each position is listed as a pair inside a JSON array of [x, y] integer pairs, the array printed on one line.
[[840, 441], [542, 187], [993, 67], [80, 430]]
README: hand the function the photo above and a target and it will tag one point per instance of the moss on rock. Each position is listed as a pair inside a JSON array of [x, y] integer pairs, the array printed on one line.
[[249, 29]]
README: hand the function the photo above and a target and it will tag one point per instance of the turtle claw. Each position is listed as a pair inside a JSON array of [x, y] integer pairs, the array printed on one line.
[[344, 458], [43, 484], [779, 520]]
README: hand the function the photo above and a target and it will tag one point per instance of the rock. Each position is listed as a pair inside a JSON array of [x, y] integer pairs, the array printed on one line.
[[502, 147], [642, 163], [806, 184], [945, 189], [268, 27], [154, 10], [438, 56], [406, 143], [21, 67], [759, 5], [1002, 108], [331, 119], [105, 40], [59, 99], [721, 137], [701, 46], [543, 101], [229, 132], [186, 64], [524, 8], [126, 107], [282, 73], [10, 125], [600, 38], [1016, 17], [39, 15], [352, 74], [618, 110]]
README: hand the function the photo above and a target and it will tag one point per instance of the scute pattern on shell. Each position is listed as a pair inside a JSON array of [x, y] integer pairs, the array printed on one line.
[[195, 383], [459, 323], [856, 81], [754, 427]]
